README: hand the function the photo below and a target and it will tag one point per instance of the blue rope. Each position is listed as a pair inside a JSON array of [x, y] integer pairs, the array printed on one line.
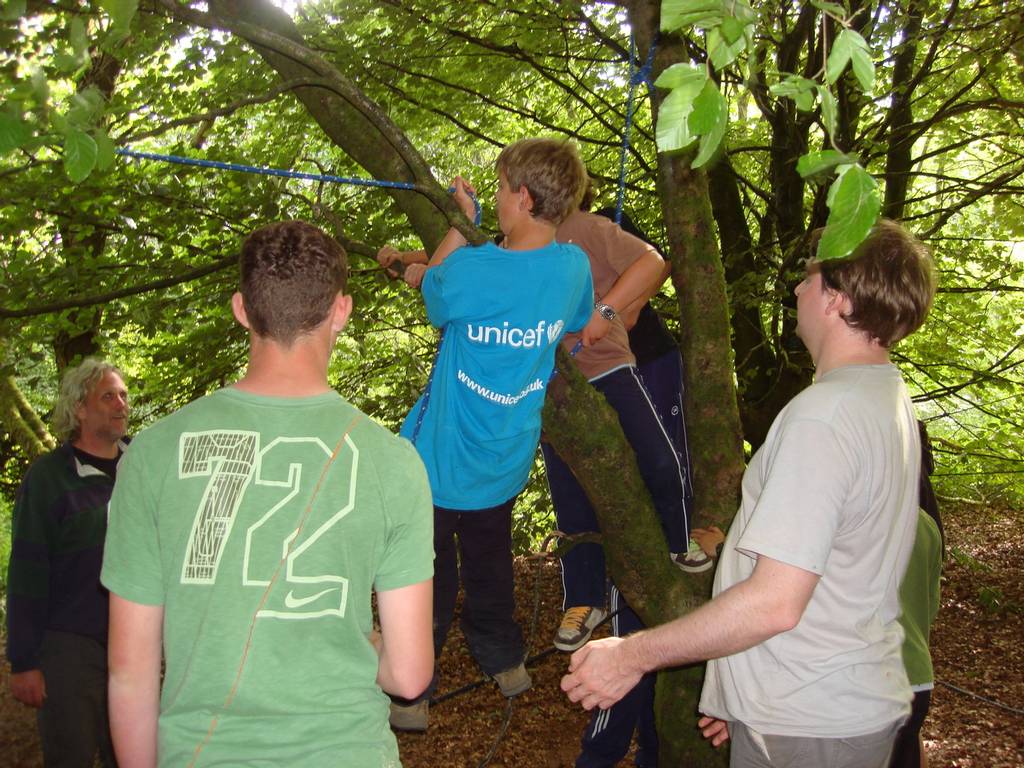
[[642, 75], [281, 172], [426, 393], [576, 348]]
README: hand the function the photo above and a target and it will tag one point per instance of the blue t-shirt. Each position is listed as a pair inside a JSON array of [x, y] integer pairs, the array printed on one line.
[[502, 313]]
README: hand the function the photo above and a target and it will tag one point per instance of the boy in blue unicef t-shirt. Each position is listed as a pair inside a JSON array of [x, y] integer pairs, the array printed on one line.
[[502, 311]]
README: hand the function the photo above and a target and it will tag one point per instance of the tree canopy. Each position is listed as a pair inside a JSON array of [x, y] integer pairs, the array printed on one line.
[[138, 256]]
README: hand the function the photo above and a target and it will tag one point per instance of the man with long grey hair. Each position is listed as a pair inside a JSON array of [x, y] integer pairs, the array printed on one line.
[[56, 608]]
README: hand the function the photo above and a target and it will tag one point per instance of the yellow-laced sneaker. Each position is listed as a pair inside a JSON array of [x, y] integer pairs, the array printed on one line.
[[576, 626]]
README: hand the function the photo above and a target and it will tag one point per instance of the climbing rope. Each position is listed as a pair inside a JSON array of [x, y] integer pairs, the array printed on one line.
[[991, 702], [281, 172], [544, 553], [641, 75], [637, 76]]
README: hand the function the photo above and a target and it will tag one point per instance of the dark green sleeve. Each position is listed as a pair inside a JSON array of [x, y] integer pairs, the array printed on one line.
[[28, 573]]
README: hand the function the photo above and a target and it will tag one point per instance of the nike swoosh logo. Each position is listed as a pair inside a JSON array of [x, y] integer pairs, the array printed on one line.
[[291, 601]]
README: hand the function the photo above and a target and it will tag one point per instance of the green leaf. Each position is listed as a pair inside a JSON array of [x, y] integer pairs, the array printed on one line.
[[80, 153], [842, 169], [799, 89], [829, 110], [683, 14], [40, 86], [831, 8], [714, 119], [121, 12], [854, 204], [66, 62], [59, 123], [13, 10], [815, 163], [839, 56], [104, 149], [86, 107], [14, 131], [79, 39], [705, 109], [864, 69], [722, 53], [683, 75], [672, 131], [732, 29]]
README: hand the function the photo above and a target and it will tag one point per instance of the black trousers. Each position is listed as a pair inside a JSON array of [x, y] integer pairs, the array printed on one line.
[[73, 724], [906, 753], [476, 547], [610, 731]]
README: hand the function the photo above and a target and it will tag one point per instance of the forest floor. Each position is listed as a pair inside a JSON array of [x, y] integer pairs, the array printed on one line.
[[977, 646]]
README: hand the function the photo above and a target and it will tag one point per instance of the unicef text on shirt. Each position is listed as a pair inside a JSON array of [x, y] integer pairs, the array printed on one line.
[[515, 337]]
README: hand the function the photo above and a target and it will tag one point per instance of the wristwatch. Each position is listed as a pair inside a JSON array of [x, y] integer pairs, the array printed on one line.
[[606, 311]]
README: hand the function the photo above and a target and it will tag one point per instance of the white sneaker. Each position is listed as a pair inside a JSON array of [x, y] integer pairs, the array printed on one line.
[[694, 560], [577, 625]]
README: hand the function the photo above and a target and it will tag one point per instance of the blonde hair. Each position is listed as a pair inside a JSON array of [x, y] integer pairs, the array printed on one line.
[[551, 171]]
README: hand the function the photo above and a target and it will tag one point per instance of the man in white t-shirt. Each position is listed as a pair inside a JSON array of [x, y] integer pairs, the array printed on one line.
[[802, 631]]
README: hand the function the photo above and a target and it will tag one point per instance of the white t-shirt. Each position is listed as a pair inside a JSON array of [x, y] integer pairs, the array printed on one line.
[[833, 490]]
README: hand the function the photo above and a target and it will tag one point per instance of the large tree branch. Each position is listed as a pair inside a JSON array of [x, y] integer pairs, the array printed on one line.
[[969, 198], [90, 301], [224, 111], [20, 418], [988, 288], [285, 51]]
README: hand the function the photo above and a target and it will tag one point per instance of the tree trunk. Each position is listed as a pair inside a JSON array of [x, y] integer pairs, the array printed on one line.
[[83, 243], [710, 404], [587, 435], [21, 421], [767, 378], [899, 158]]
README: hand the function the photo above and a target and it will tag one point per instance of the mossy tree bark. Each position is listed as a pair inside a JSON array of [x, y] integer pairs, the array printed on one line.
[[585, 431], [21, 421]]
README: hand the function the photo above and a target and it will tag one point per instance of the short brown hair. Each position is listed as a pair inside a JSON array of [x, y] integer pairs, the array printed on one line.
[[290, 274], [889, 279], [551, 171]]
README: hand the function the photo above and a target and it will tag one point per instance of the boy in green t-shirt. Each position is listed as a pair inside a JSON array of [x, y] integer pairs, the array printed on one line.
[[246, 534]]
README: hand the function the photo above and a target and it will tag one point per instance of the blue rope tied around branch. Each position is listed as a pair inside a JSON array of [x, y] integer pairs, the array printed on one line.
[[280, 172], [641, 75]]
